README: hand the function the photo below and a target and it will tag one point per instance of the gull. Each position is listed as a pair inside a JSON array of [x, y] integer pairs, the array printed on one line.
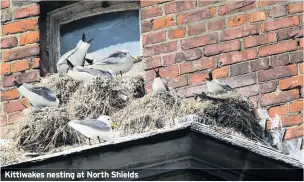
[[158, 83], [215, 86], [119, 62], [76, 55], [100, 128], [84, 74], [38, 96]]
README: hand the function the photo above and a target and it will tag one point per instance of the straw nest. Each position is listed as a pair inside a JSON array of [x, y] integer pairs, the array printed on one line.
[[165, 109], [63, 85], [45, 129], [104, 95]]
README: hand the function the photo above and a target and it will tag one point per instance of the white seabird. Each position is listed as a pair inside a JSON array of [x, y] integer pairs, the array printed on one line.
[[159, 84], [119, 62], [38, 96], [76, 56], [215, 86], [100, 129], [84, 74]]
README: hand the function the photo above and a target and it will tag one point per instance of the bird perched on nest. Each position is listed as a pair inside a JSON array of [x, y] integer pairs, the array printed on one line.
[[100, 128], [38, 96], [119, 62], [76, 56], [81, 73], [159, 85], [215, 86]]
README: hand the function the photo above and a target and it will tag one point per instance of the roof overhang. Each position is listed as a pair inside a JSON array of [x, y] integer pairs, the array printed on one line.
[[185, 147]]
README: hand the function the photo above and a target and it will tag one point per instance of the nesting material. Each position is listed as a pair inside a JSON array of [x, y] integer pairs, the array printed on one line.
[[105, 96], [45, 129], [63, 85]]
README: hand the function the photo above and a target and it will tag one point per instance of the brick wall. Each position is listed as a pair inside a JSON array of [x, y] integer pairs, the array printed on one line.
[[20, 54], [259, 43]]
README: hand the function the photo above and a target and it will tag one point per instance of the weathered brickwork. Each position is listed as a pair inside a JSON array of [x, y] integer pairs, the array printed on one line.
[[260, 45], [19, 54]]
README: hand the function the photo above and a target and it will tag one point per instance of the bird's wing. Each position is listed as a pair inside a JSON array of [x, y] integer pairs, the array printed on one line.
[[109, 60], [96, 124], [44, 92], [65, 56], [95, 72], [226, 87]]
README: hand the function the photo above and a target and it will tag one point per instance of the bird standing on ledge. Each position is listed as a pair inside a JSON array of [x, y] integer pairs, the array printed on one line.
[[214, 86], [158, 83]]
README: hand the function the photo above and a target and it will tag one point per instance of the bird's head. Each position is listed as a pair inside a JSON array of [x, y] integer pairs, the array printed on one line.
[[107, 119]]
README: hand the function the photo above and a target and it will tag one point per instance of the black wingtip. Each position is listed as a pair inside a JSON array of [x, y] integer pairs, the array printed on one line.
[[17, 84], [157, 73], [90, 40], [83, 37], [71, 66], [210, 76], [90, 61]]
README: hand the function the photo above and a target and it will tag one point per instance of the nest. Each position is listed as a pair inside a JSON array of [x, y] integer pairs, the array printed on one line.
[[63, 85], [103, 95], [166, 109], [46, 129]]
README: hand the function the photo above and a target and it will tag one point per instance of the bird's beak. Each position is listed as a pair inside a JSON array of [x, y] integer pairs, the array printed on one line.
[[114, 125], [136, 58]]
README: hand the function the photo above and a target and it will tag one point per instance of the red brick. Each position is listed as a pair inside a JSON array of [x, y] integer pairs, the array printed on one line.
[[177, 33], [199, 41], [241, 80], [217, 25], [153, 38], [195, 16], [160, 48], [254, 101], [277, 11], [20, 26], [29, 38], [5, 4], [146, 26], [301, 68], [163, 22], [148, 87], [220, 72], [268, 2], [296, 7], [152, 62], [295, 132], [3, 120], [169, 59], [260, 39], [268, 87], [296, 106], [206, 2], [6, 15], [301, 43], [278, 72], [291, 82], [27, 77], [260, 64], [290, 33], [256, 16], [9, 95], [186, 67], [5, 68], [279, 110], [186, 55], [279, 60], [178, 6], [35, 62], [278, 48], [196, 29], [144, 3], [149, 76], [14, 106], [204, 63], [236, 7], [280, 23], [281, 97], [198, 78], [14, 117], [239, 69], [235, 57], [178, 81], [9, 42], [297, 56], [19, 53], [169, 71], [234, 45], [292, 120], [151, 12], [250, 90], [239, 32], [237, 20], [27, 11]]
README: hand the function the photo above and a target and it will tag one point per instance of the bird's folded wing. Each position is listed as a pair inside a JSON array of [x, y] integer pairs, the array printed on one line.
[[108, 60], [96, 124], [44, 92], [96, 72]]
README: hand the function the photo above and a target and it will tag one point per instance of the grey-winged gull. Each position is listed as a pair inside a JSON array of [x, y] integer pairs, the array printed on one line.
[[159, 85], [215, 86]]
